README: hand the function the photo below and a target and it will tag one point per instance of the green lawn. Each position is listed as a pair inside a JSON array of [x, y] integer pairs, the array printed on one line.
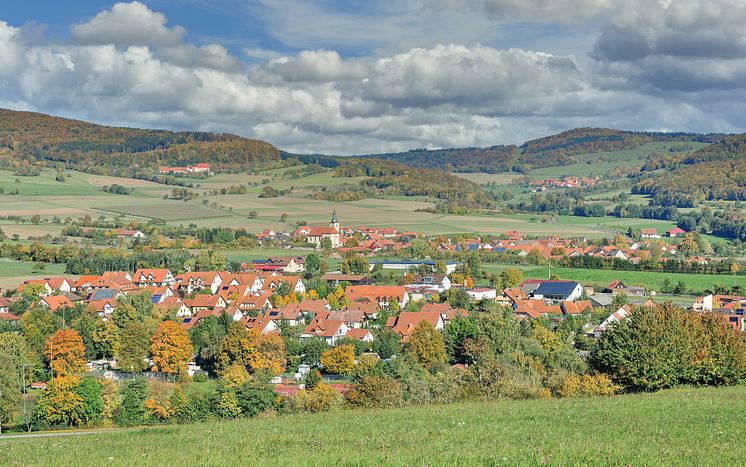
[[678, 427]]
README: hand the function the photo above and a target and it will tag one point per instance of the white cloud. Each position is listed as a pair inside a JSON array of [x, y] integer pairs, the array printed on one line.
[[127, 24], [213, 56], [677, 46], [432, 95]]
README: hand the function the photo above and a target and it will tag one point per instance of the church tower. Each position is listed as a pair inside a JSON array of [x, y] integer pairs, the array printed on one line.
[[334, 224]]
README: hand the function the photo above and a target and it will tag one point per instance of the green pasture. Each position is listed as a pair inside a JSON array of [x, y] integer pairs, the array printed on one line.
[[687, 426]]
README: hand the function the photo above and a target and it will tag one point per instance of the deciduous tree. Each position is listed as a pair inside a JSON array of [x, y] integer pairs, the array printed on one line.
[[170, 349], [426, 345], [66, 353], [339, 359]]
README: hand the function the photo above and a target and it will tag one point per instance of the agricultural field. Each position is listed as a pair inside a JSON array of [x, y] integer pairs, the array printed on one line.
[[689, 426]]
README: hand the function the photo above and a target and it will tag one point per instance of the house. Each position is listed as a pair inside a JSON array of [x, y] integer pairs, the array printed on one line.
[[558, 290], [328, 329], [104, 307], [258, 301], [447, 312], [174, 304], [354, 318], [127, 233], [295, 283], [620, 314], [205, 302], [286, 264], [55, 302], [675, 232], [191, 281], [576, 308], [508, 297], [352, 279], [102, 294], [649, 233], [601, 300], [380, 294], [437, 282], [617, 286], [316, 233], [482, 293], [156, 277], [407, 321], [360, 334], [252, 280], [4, 304], [10, 318], [534, 309], [262, 324]]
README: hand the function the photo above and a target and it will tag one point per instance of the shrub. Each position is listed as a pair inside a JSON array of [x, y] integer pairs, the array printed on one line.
[[321, 398], [572, 385], [131, 411], [374, 391]]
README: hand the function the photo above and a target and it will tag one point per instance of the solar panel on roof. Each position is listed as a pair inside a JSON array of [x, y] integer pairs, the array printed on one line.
[[155, 298], [104, 294]]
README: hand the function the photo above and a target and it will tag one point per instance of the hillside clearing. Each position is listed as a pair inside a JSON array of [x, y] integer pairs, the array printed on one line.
[[683, 426]]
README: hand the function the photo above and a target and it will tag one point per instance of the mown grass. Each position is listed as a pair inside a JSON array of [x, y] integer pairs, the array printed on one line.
[[677, 427]]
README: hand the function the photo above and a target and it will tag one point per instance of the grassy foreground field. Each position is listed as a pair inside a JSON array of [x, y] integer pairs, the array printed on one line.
[[684, 427]]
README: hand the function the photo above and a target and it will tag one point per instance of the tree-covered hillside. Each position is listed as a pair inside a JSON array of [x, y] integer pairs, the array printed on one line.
[[550, 151], [32, 138], [714, 172]]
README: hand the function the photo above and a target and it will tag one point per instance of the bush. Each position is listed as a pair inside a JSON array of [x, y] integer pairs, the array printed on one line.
[[200, 377], [572, 385], [374, 391], [255, 397], [131, 411], [321, 398]]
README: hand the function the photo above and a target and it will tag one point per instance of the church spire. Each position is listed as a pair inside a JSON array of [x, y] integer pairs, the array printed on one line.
[[334, 223]]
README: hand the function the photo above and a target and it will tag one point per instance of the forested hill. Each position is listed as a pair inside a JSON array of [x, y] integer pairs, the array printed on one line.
[[549, 151], [713, 172], [37, 138], [492, 159]]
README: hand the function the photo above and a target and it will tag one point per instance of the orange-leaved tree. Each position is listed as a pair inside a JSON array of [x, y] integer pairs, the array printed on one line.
[[170, 348], [65, 352]]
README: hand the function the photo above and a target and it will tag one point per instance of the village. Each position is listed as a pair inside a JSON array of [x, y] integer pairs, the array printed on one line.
[[282, 294]]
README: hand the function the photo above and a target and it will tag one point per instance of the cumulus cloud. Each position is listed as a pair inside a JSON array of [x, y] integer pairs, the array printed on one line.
[[127, 24], [680, 45], [213, 56], [436, 95]]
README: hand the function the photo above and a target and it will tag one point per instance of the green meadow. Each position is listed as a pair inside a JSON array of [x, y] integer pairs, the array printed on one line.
[[687, 426], [601, 277]]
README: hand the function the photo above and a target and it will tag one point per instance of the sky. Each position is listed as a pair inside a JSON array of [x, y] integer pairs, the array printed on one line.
[[358, 77]]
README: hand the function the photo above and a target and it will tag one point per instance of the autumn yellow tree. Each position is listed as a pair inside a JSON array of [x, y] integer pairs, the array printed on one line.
[[265, 352], [59, 404], [66, 353], [252, 350], [426, 345], [170, 348], [339, 360]]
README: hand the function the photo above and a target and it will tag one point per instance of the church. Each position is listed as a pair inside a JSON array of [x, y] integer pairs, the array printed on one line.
[[317, 233]]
